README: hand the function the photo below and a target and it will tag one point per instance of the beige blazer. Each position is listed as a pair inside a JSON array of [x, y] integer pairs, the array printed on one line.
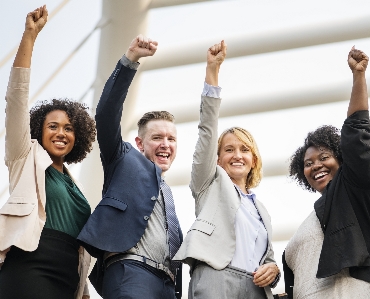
[[23, 216], [211, 238]]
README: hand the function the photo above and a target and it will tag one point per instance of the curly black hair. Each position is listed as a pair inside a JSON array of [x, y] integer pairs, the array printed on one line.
[[83, 125], [325, 136]]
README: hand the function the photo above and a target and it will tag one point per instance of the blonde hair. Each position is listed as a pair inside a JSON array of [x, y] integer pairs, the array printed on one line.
[[255, 175]]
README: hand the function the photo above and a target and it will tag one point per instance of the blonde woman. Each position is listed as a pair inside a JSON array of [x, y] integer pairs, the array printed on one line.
[[229, 245]]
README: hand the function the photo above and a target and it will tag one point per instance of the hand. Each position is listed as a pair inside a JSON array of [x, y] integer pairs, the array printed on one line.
[[216, 54], [141, 46], [36, 20], [357, 60], [265, 274]]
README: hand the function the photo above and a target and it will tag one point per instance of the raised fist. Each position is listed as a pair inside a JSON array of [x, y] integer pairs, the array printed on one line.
[[357, 60], [36, 20], [141, 46], [216, 54]]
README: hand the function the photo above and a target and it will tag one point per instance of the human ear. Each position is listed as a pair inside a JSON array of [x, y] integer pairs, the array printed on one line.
[[254, 161], [139, 144]]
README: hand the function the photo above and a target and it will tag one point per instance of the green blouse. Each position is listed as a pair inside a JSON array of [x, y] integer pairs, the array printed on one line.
[[67, 209]]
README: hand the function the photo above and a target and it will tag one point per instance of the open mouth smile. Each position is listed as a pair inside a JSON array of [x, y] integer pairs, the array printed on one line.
[[60, 143], [320, 175], [163, 156]]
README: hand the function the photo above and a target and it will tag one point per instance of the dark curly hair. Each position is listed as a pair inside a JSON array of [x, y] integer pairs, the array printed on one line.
[[325, 136], [83, 125]]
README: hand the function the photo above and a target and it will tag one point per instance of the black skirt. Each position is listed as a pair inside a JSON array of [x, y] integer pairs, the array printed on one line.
[[51, 271]]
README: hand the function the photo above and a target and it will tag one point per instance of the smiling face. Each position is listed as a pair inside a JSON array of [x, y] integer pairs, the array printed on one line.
[[320, 166], [58, 137], [236, 158], [159, 143]]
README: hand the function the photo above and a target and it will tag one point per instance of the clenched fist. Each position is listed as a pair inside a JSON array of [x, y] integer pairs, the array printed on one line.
[[141, 46], [357, 60]]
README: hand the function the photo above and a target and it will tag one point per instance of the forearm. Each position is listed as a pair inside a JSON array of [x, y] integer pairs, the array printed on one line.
[[212, 71], [109, 111], [17, 120], [24, 53], [359, 96], [205, 155]]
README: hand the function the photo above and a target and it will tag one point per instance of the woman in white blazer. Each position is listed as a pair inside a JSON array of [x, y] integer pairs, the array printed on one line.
[[229, 245], [46, 209]]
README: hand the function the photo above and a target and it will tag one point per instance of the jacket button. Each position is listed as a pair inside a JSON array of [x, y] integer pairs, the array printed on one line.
[[146, 217], [153, 198]]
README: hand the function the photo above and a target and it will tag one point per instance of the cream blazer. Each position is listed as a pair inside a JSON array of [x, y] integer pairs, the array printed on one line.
[[211, 238], [23, 216]]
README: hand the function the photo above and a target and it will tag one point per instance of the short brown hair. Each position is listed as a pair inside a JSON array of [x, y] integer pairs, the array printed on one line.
[[255, 175], [153, 115]]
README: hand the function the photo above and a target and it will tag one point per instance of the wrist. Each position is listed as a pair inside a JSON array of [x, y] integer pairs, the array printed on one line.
[[212, 75], [358, 74], [29, 34], [213, 67], [131, 56]]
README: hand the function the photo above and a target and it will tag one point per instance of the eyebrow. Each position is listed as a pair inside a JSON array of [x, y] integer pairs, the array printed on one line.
[[55, 122]]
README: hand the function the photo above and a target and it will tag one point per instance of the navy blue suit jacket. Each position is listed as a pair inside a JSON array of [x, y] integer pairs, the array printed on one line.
[[131, 182]]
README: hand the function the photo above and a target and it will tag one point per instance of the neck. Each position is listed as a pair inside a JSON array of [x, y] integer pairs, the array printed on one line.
[[58, 166]]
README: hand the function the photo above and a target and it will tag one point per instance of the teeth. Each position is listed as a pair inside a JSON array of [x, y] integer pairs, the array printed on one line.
[[237, 164], [163, 154], [59, 143], [319, 175]]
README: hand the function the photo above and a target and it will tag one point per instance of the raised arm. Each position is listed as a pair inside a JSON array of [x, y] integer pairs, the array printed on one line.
[[18, 140], [17, 116], [357, 61], [355, 134], [110, 107], [205, 155], [35, 21]]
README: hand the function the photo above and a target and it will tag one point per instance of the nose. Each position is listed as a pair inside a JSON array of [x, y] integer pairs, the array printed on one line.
[[317, 165], [237, 154], [165, 143], [61, 132]]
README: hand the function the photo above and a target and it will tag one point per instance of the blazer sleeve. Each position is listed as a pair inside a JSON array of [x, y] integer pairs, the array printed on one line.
[[355, 146], [205, 155], [17, 120], [109, 112]]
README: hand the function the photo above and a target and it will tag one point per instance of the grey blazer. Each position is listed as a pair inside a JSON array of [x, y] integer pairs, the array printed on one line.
[[211, 238]]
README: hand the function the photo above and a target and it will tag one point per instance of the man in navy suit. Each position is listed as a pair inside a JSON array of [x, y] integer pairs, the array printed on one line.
[[130, 230]]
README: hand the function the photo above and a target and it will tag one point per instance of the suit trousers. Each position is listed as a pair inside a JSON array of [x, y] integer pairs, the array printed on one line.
[[129, 279], [231, 282]]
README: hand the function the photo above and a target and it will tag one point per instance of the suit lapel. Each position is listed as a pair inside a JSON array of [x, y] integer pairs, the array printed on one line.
[[265, 218]]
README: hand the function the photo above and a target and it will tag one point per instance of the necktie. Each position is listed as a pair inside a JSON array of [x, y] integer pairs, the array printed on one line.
[[172, 224]]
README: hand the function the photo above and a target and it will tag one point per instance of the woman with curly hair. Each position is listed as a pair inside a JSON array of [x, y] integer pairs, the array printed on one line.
[[229, 245], [329, 255], [39, 254]]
